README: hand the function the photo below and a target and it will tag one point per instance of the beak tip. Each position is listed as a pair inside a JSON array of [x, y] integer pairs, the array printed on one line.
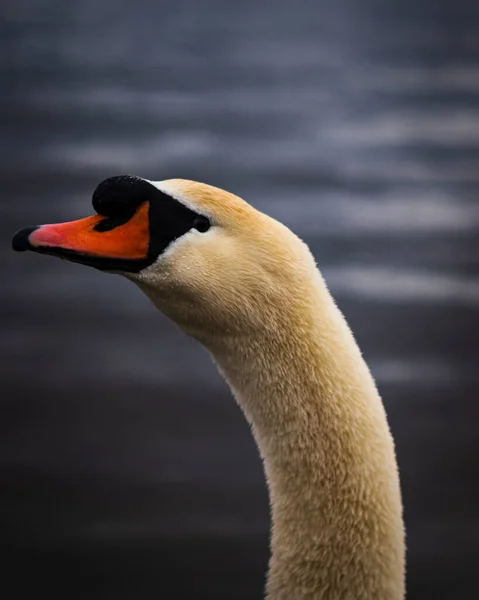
[[21, 241]]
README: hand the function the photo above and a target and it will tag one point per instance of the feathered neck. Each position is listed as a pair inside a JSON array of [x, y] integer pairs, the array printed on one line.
[[320, 426]]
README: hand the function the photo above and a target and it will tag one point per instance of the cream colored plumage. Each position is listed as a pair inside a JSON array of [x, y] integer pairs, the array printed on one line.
[[250, 292], [248, 289]]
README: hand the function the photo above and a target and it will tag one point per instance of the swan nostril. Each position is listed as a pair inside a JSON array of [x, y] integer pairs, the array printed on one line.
[[202, 224], [115, 219]]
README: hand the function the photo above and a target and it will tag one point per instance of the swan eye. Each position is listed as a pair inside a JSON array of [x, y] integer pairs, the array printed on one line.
[[202, 224]]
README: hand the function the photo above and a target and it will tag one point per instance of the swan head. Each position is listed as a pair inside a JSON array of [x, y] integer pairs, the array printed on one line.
[[205, 257]]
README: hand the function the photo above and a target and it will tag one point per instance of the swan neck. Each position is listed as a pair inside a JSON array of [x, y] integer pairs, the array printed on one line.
[[328, 456]]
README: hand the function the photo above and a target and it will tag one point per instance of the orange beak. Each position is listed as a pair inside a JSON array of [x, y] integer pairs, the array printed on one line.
[[135, 223], [99, 241]]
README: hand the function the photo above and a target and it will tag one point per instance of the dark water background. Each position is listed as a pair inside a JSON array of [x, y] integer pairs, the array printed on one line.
[[127, 471]]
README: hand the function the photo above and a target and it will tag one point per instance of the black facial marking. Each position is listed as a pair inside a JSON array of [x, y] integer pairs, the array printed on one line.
[[117, 199], [169, 220], [120, 195]]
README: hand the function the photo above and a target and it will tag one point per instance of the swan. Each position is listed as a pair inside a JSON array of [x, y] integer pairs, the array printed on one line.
[[249, 290]]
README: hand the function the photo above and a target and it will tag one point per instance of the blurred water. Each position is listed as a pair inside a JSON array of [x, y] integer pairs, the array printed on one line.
[[354, 123]]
